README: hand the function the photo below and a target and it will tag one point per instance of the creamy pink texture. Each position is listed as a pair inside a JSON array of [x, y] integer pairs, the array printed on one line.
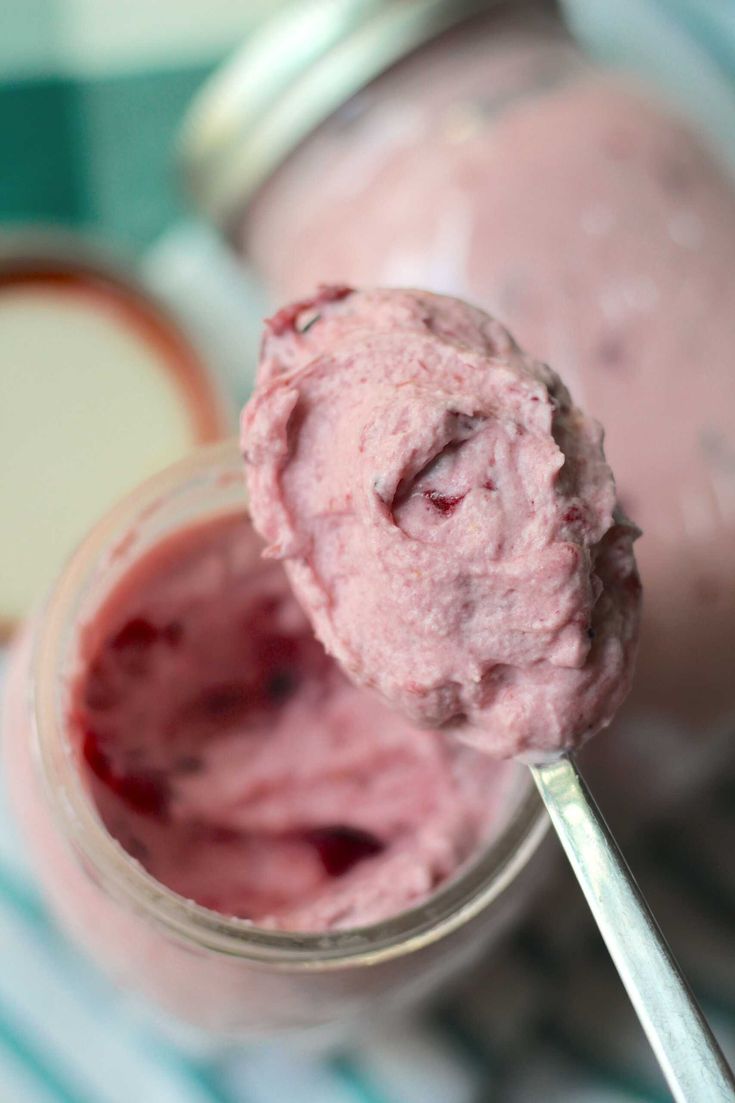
[[446, 517], [601, 229], [229, 754]]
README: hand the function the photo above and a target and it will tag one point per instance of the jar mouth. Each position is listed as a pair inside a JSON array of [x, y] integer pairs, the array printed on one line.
[[213, 476]]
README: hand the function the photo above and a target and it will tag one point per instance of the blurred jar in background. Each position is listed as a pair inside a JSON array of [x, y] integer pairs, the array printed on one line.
[[207, 970], [497, 163], [101, 386]]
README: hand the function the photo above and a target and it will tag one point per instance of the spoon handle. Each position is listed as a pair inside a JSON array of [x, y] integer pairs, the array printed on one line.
[[686, 1049]]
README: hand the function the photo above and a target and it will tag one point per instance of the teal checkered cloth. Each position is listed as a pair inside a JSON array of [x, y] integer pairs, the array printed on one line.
[[87, 116]]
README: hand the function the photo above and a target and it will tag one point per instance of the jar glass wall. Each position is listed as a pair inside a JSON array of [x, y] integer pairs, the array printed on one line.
[[219, 974]]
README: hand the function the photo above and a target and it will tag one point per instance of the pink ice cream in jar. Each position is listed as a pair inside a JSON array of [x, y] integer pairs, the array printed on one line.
[[216, 814], [229, 755]]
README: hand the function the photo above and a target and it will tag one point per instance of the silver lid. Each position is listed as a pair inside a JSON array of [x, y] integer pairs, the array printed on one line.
[[293, 72]]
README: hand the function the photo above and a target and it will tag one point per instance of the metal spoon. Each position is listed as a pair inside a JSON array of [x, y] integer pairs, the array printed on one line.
[[690, 1058]]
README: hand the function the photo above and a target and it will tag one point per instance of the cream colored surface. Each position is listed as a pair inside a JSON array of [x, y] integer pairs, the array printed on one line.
[[87, 410], [94, 37]]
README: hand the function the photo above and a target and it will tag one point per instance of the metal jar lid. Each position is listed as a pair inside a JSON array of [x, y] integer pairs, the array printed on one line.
[[292, 73]]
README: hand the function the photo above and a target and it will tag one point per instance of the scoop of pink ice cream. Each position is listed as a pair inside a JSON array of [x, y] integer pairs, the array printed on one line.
[[446, 515], [601, 229]]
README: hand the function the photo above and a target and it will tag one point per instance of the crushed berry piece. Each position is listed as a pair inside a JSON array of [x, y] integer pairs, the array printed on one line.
[[259, 620], [137, 635], [281, 685], [632, 583], [146, 793], [572, 515], [489, 485], [333, 292], [224, 701], [341, 847], [95, 757], [273, 676], [278, 650], [443, 503], [287, 317]]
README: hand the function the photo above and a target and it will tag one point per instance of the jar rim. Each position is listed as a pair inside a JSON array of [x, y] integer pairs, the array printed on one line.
[[294, 71], [463, 896]]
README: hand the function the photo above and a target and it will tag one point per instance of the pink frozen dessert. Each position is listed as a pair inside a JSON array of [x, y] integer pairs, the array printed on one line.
[[446, 516], [600, 228], [229, 755]]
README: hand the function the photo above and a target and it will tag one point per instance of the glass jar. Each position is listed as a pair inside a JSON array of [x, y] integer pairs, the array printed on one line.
[[493, 160], [219, 974], [80, 330]]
